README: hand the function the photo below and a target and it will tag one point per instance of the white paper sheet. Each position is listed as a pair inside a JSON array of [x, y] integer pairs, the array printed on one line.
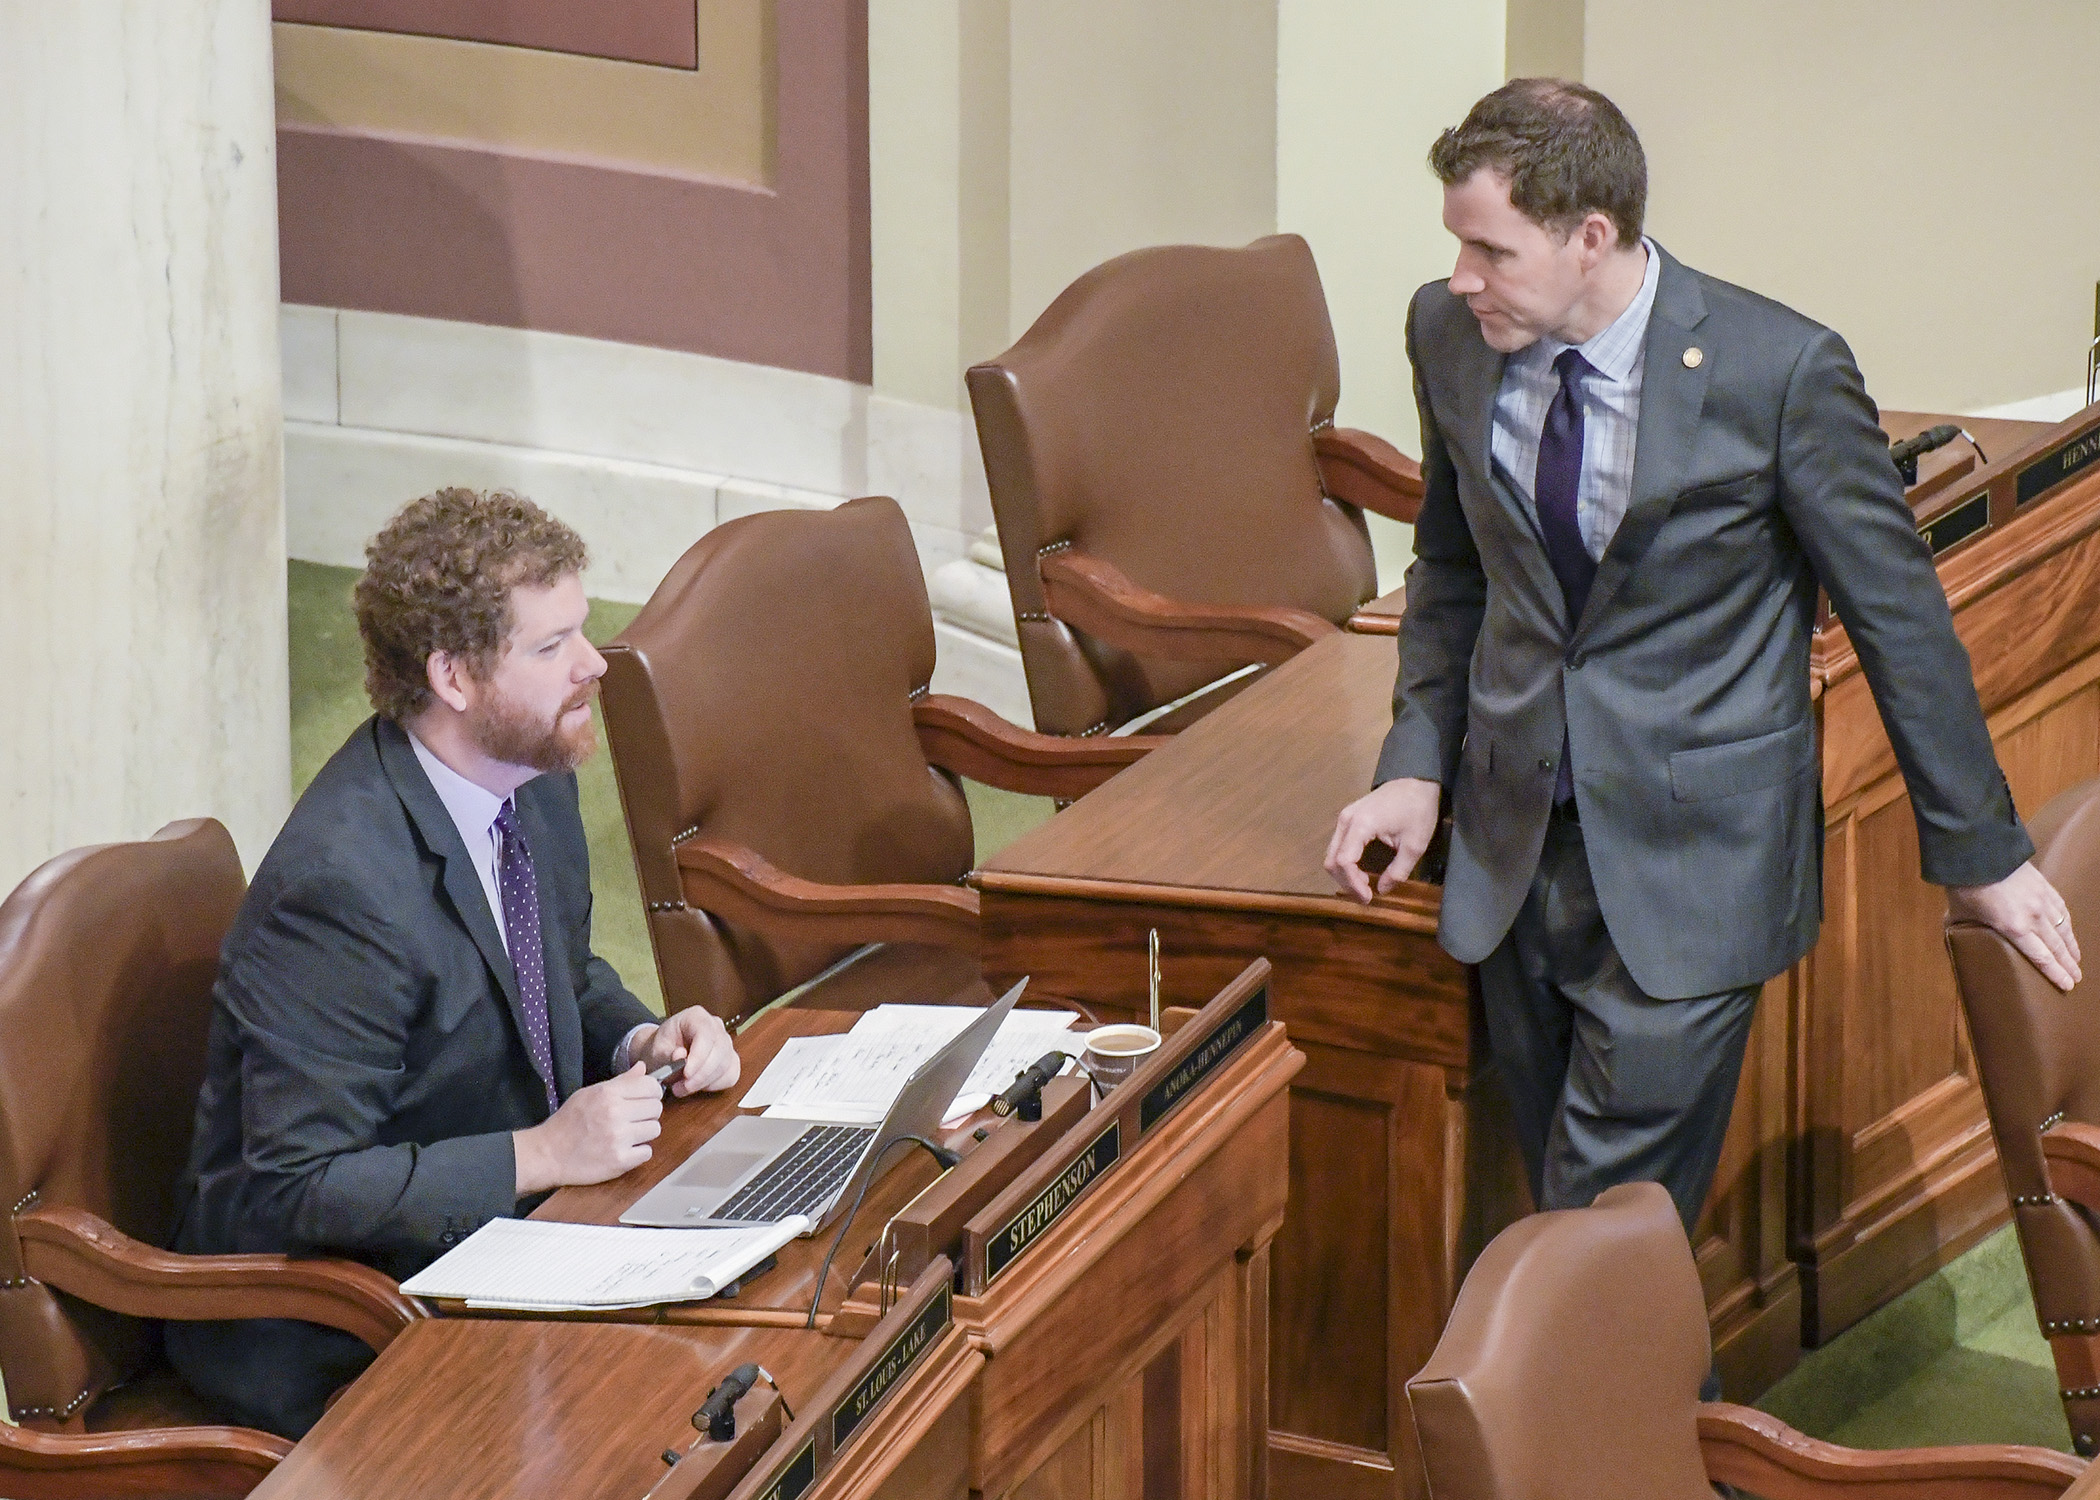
[[797, 1054], [853, 1079], [551, 1267]]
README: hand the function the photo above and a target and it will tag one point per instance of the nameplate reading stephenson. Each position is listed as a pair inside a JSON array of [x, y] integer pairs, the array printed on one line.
[[1958, 524], [906, 1347], [1025, 1227], [2055, 466], [799, 1474], [1212, 1050]]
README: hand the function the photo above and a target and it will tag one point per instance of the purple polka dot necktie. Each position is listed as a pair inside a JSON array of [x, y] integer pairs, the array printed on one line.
[[521, 928], [1554, 490]]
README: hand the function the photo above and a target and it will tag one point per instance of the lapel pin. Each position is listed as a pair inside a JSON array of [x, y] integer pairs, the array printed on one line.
[[1694, 357]]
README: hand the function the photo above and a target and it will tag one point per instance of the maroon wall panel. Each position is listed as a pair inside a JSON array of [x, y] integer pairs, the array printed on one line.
[[773, 276], [664, 32]]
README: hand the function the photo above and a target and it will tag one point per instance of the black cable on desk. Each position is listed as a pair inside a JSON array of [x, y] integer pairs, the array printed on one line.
[[941, 1154]]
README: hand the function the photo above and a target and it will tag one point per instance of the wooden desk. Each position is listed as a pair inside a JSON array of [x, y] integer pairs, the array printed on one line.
[[1896, 1173], [479, 1408], [1126, 1340], [1130, 1340], [1400, 1162]]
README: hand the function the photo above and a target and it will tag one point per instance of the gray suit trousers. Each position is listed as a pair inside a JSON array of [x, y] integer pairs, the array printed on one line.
[[1607, 1084]]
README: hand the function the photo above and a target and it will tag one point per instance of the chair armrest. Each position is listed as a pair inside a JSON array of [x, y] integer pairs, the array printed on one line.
[[1761, 1454], [2071, 1151], [201, 1461], [1096, 597], [1369, 472], [73, 1250], [740, 885], [963, 736]]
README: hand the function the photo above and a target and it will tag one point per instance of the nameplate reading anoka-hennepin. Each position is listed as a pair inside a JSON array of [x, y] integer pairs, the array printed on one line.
[[1212, 1050], [903, 1350], [799, 1474], [1025, 1227]]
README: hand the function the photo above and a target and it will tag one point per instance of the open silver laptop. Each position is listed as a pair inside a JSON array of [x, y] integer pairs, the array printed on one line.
[[759, 1171]]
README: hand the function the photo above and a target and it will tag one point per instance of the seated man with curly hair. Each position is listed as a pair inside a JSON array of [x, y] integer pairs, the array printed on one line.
[[410, 1034]]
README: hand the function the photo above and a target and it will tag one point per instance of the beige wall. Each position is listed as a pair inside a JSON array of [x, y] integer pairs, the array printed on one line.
[[1016, 146], [1135, 124], [1914, 173]]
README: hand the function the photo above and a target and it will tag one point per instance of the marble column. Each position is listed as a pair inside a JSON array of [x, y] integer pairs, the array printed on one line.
[[142, 577]]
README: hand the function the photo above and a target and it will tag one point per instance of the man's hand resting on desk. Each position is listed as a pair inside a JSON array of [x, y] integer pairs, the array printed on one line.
[[2026, 911], [598, 1133], [695, 1036], [1401, 813]]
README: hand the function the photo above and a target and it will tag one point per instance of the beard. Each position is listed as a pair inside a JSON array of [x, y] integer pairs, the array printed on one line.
[[506, 730]]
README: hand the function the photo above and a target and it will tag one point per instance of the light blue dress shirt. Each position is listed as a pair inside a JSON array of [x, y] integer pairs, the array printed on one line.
[[1611, 413]]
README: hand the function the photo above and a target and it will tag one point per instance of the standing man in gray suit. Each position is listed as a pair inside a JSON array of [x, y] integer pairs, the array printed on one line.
[[1635, 478]]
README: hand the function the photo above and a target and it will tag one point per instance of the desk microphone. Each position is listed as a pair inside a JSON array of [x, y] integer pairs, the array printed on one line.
[[1905, 455], [1024, 1096], [717, 1415]]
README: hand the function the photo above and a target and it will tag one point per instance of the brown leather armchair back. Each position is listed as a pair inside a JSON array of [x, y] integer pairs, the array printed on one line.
[[107, 960], [1572, 1362], [1159, 415], [2038, 1054], [764, 695]]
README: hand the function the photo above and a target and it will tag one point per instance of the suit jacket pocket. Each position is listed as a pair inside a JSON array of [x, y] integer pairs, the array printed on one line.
[[1750, 765]]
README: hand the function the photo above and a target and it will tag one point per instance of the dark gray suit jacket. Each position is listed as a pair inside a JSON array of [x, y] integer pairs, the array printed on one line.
[[1759, 471], [367, 1061]]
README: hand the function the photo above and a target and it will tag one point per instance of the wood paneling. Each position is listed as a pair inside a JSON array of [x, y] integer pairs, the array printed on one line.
[[1896, 1169]]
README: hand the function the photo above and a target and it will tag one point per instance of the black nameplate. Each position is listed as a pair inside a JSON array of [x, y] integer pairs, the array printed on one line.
[[2055, 466], [903, 1351], [1025, 1227], [1959, 524], [1226, 1039], [799, 1475]]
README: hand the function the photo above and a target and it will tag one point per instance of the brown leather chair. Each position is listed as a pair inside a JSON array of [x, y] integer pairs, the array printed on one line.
[[2038, 1057], [107, 960], [789, 781], [1173, 498], [1571, 1369]]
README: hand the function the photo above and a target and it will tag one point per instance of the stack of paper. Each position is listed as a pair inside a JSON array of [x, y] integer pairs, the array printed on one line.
[[853, 1079], [535, 1266]]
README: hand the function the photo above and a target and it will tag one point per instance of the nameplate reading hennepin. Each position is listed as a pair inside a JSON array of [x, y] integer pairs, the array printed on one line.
[[904, 1349], [1212, 1050], [1958, 524], [2055, 466], [799, 1475], [1025, 1227]]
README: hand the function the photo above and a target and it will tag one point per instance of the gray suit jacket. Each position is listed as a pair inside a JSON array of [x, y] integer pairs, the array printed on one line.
[[367, 1061], [1759, 472]]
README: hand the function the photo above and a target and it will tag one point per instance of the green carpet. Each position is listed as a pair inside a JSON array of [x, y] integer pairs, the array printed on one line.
[[1958, 1359]]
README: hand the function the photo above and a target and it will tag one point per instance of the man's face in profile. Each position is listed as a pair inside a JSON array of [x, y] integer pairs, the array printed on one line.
[[1520, 280], [535, 708]]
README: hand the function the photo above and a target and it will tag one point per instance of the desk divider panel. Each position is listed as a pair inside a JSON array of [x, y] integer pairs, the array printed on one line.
[[853, 1393], [996, 1237]]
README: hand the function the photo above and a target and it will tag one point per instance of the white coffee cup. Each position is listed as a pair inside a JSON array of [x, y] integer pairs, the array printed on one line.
[[1114, 1052]]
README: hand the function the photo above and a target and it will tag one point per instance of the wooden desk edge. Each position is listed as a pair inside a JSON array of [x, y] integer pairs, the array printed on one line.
[[1407, 910]]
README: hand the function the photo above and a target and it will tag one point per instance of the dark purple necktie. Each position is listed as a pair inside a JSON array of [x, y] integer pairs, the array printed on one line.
[[1554, 489], [528, 954]]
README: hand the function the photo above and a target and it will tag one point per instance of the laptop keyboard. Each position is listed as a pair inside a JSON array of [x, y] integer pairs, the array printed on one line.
[[802, 1179]]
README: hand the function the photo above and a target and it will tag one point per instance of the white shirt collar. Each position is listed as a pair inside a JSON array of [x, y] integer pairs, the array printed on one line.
[[473, 808]]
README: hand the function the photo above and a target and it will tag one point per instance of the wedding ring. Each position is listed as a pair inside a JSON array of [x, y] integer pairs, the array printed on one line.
[[2063, 919]]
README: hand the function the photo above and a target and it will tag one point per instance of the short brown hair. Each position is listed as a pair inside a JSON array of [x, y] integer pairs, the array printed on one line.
[[1566, 150], [438, 578]]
